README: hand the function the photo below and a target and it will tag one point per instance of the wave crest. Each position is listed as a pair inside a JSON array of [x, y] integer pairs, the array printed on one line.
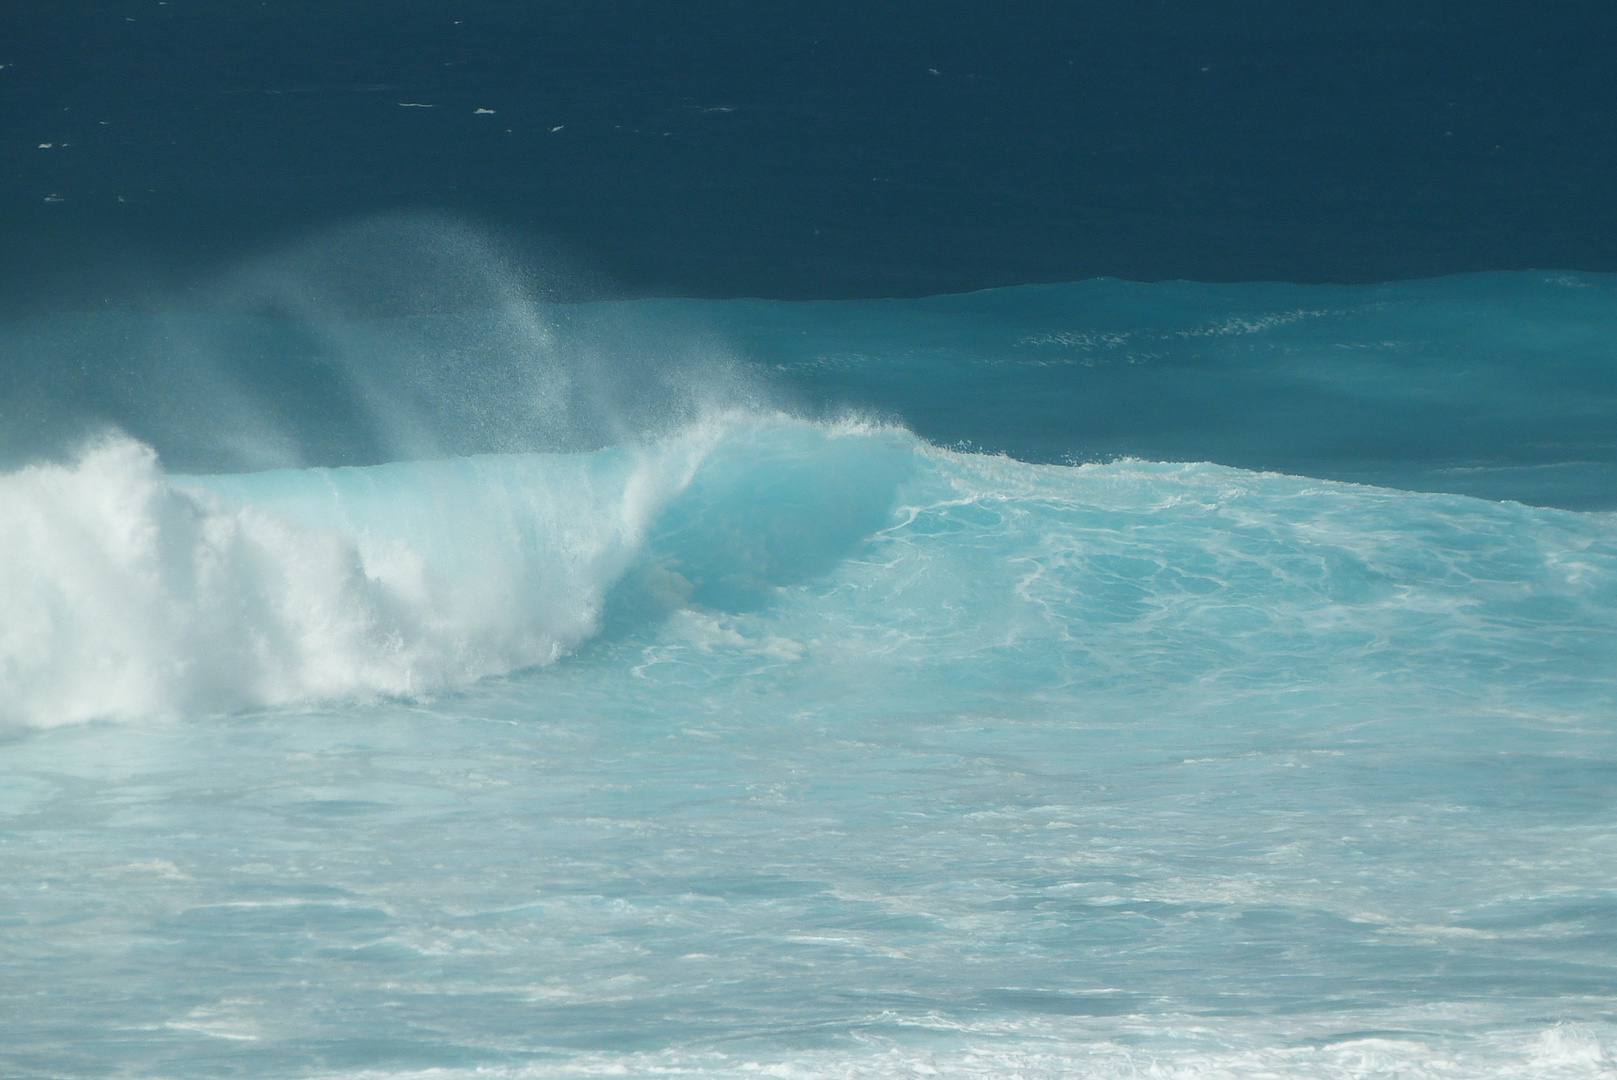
[[132, 593]]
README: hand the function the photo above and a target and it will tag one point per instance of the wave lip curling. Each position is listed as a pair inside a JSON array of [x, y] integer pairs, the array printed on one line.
[[132, 593]]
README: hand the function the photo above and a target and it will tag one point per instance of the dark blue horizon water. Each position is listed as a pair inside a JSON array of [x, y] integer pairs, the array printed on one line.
[[819, 150]]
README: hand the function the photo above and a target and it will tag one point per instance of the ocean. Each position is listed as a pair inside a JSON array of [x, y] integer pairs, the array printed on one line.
[[1099, 679], [825, 540]]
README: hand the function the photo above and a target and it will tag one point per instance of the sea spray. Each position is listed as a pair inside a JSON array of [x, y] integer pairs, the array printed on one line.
[[401, 338]]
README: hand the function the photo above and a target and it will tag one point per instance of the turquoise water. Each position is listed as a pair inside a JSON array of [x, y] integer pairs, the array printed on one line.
[[754, 721]]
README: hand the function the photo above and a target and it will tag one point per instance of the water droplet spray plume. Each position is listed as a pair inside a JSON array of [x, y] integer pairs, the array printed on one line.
[[401, 337]]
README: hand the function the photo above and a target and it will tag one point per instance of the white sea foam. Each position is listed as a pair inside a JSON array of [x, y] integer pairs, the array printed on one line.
[[131, 593], [1559, 1052]]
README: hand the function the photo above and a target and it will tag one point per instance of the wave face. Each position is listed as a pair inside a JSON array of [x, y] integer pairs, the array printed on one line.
[[138, 594], [761, 743]]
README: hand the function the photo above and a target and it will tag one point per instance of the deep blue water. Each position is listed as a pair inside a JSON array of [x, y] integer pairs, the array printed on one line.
[[827, 149], [583, 588]]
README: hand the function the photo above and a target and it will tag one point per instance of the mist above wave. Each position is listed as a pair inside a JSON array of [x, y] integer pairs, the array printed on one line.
[[402, 337], [411, 338]]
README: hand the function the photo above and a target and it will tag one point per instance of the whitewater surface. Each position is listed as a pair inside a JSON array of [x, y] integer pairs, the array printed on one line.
[[133, 594], [769, 746]]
